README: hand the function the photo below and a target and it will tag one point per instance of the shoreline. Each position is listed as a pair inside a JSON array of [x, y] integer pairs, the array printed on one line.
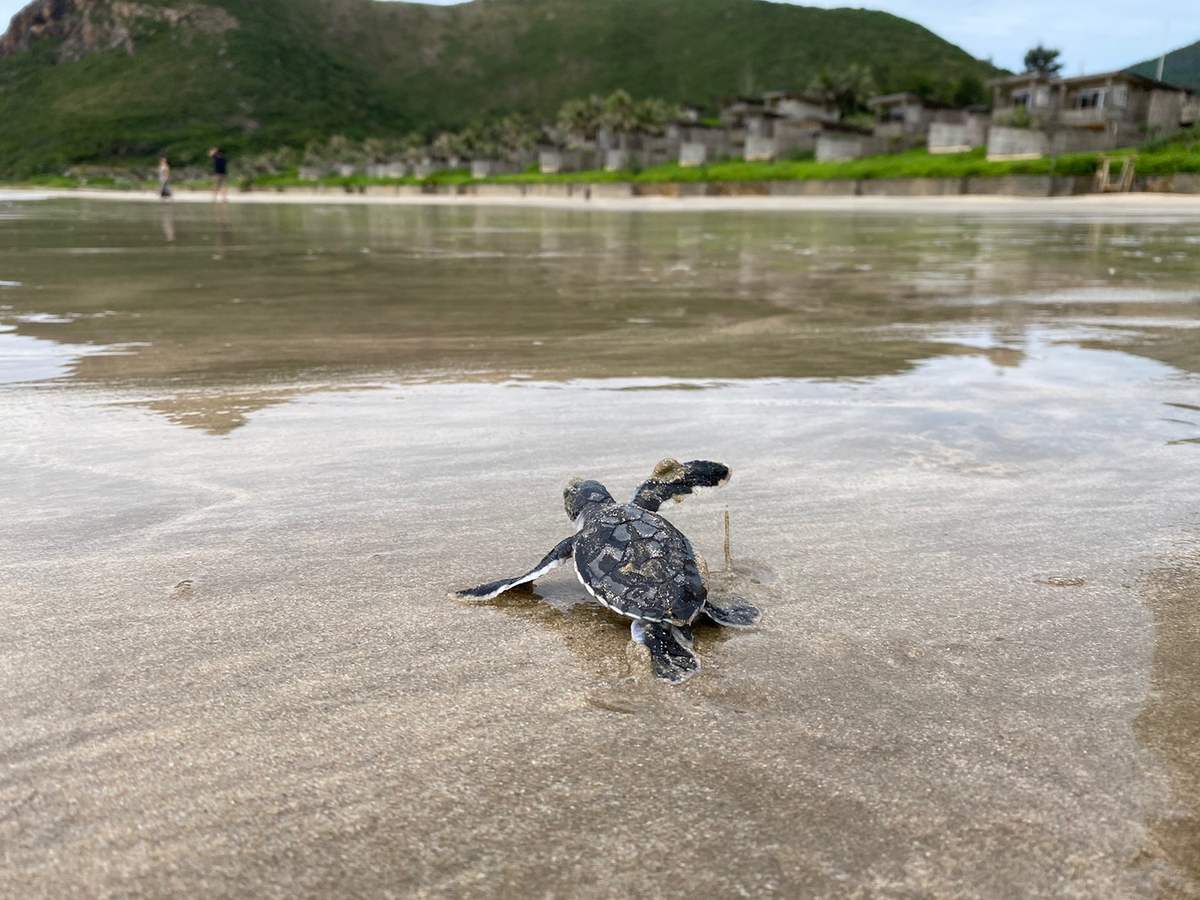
[[1141, 203]]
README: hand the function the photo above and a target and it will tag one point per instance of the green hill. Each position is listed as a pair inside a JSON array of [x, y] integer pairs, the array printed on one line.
[[96, 80], [1182, 67]]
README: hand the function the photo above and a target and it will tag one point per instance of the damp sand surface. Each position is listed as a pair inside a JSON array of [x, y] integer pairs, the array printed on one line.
[[247, 451]]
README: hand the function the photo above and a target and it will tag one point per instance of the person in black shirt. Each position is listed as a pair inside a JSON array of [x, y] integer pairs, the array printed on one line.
[[220, 174]]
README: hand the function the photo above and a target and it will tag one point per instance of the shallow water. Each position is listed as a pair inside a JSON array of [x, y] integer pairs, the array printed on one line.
[[247, 451]]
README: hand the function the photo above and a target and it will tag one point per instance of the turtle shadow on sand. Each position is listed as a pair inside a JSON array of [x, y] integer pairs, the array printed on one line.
[[599, 638]]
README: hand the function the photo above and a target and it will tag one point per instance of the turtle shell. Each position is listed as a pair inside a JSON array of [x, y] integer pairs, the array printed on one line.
[[639, 564]]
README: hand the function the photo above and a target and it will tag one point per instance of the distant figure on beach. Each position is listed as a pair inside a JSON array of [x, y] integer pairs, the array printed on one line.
[[164, 178], [220, 174]]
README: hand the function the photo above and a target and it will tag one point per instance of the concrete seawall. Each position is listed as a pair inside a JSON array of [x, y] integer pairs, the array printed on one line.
[[1003, 186]]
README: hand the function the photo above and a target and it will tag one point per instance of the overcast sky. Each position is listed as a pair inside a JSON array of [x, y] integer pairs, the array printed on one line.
[[1094, 35]]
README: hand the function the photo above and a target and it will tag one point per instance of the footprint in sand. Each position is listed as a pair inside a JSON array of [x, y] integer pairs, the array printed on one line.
[[1061, 580]]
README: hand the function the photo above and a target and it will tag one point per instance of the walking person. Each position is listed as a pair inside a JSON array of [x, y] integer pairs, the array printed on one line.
[[164, 178], [220, 174]]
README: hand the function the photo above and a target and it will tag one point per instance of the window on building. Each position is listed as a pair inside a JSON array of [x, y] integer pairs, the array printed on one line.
[[1092, 98]]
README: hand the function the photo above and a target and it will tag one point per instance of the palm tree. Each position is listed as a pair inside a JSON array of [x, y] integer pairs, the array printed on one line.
[[515, 135], [413, 147], [375, 150], [654, 115], [847, 89], [345, 154], [619, 116], [1043, 61], [580, 119]]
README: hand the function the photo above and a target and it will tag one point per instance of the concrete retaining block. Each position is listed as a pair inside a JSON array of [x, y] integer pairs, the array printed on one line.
[[612, 190], [910, 187], [826, 188], [498, 190], [673, 189], [548, 190], [1010, 185], [1181, 183], [740, 189], [1072, 185]]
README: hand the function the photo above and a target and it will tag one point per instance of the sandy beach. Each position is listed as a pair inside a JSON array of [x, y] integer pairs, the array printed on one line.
[[1097, 205], [248, 451]]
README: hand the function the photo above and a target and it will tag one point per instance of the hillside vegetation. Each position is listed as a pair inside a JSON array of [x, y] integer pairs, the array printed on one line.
[[145, 78], [1182, 67]]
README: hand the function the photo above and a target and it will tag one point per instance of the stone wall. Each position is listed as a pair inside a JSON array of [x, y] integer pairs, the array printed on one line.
[[1016, 143], [1165, 111], [1085, 140], [1009, 186], [836, 146], [482, 168], [758, 148], [693, 153], [958, 137]]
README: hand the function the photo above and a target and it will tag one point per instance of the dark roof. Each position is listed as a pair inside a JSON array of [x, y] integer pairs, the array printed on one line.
[[845, 128], [908, 97], [1132, 76], [795, 95], [902, 97], [1078, 79], [749, 101], [1024, 76]]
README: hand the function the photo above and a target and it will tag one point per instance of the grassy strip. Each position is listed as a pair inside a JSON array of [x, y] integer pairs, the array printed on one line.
[[913, 164], [1165, 159], [1161, 159]]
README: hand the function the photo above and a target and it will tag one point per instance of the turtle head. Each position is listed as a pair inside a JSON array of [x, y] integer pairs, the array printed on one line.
[[579, 495]]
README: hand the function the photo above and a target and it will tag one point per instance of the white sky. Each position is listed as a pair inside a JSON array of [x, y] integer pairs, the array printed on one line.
[[1094, 35]]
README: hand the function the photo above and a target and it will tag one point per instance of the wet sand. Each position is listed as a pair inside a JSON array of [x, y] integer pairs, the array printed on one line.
[[964, 496]]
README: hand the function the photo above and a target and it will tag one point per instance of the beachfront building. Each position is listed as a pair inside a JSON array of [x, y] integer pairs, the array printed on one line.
[[801, 107], [1036, 114], [967, 131], [906, 120], [698, 142], [841, 142], [777, 125], [1190, 115], [903, 118], [553, 160]]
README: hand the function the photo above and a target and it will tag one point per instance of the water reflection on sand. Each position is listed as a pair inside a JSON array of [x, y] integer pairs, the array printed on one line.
[[243, 467], [269, 294]]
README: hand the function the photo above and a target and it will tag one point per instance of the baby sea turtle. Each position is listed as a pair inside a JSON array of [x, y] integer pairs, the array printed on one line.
[[638, 564]]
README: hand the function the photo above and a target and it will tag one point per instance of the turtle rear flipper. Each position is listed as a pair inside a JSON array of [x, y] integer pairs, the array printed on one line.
[[671, 655], [552, 560], [736, 615]]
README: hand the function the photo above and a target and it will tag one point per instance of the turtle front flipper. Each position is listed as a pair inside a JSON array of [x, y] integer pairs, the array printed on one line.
[[670, 647], [552, 560], [736, 615], [673, 480]]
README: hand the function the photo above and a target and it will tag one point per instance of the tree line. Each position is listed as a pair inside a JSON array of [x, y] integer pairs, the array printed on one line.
[[580, 120]]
